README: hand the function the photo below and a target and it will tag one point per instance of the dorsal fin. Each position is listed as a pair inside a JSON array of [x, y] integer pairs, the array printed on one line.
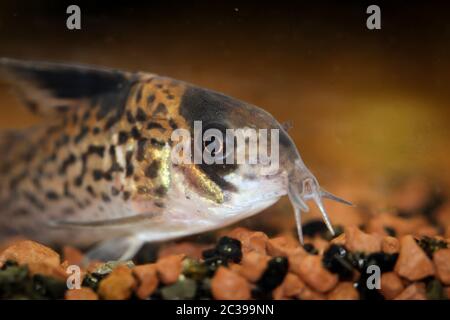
[[287, 125], [47, 88]]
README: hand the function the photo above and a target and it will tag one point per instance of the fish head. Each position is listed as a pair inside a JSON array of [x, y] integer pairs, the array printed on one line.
[[238, 160]]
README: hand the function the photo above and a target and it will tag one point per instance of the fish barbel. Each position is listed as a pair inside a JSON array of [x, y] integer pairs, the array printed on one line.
[[98, 167]]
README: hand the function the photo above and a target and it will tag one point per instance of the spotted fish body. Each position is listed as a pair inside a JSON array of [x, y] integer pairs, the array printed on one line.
[[98, 167]]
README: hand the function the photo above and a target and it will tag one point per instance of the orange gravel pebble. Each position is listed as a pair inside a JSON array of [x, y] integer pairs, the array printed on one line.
[[277, 294], [344, 291], [72, 255], [39, 259], [46, 269], [250, 240], [235, 268], [441, 259], [295, 259], [339, 240], [391, 285], [291, 286], [358, 241], [9, 242], [415, 291], [169, 268], [283, 246], [390, 245], [294, 287], [256, 241], [413, 264], [83, 293], [239, 233], [315, 275], [309, 294], [147, 277], [189, 249], [30, 252], [227, 285], [447, 292], [320, 244], [401, 226], [253, 265], [118, 285]]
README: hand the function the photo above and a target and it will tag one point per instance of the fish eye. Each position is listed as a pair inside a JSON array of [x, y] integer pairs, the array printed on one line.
[[210, 146], [214, 141]]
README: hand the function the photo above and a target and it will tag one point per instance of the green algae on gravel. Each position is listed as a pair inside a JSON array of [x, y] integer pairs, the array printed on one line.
[[17, 283]]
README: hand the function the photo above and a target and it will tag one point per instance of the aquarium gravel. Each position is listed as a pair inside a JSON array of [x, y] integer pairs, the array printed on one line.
[[410, 250], [238, 267]]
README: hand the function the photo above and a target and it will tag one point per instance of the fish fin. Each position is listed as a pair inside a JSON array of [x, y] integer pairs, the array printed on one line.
[[318, 200], [103, 223], [52, 88], [117, 249], [287, 125]]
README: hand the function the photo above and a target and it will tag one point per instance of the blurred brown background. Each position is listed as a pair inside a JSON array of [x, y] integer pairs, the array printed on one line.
[[367, 106]]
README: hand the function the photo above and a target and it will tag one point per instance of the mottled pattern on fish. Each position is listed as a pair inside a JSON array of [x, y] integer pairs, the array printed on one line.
[[99, 167], [92, 156]]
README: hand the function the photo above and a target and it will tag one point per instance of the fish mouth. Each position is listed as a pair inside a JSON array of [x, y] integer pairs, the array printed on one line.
[[303, 186]]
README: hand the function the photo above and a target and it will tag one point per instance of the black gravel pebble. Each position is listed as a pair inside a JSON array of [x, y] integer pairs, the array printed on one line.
[[314, 227], [17, 283], [336, 260], [147, 254], [204, 290], [309, 247], [210, 253], [385, 261], [390, 231], [364, 292], [338, 230], [227, 249], [49, 287], [358, 260], [274, 274], [230, 249], [92, 281], [212, 264], [361, 262], [9, 263], [261, 294]]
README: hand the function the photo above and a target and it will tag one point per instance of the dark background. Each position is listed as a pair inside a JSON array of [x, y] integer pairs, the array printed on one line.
[[367, 106]]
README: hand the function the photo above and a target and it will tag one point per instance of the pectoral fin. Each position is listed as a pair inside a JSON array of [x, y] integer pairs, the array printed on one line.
[[103, 223], [118, 249]]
